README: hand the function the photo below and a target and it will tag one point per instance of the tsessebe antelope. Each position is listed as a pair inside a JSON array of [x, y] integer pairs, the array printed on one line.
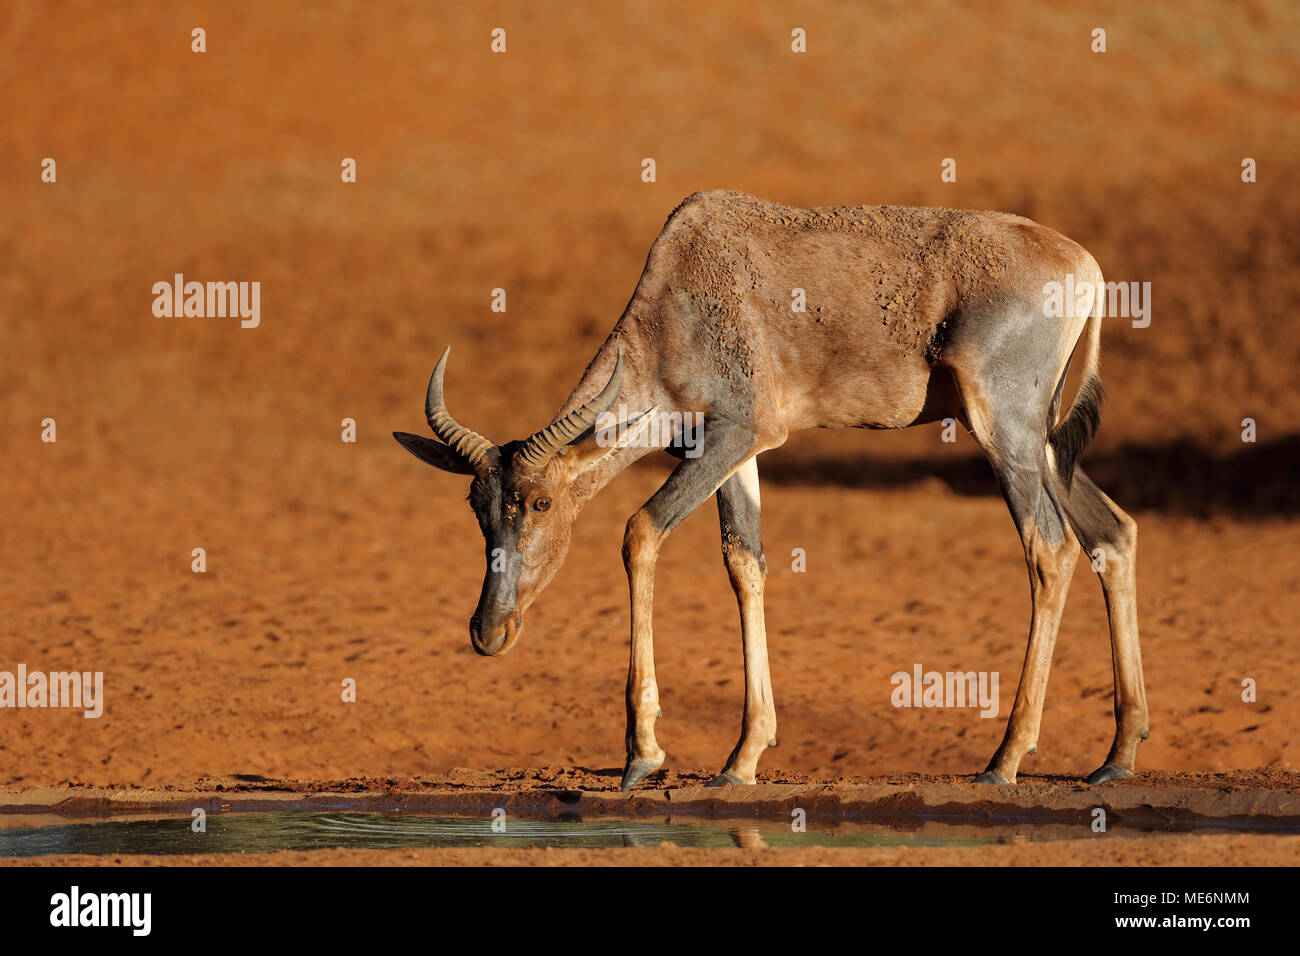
[[912, 315]]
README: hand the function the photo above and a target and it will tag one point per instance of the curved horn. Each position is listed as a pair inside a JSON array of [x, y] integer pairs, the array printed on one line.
[[470, 445], [538, 449]]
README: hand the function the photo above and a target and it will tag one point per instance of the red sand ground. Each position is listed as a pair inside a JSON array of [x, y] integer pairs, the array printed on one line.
[[329, 560]]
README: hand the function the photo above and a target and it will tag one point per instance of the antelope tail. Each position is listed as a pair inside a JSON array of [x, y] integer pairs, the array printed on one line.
[[1070, 437]]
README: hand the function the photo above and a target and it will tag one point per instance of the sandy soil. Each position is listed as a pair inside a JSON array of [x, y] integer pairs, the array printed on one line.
[[329, 561]]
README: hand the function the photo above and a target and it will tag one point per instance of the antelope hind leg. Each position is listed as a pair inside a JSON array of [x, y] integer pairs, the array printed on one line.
[[742, 550], [1011, 432], [1050, 553], [1110, 538]]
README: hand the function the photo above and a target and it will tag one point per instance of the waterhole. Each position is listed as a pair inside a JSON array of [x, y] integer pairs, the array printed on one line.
[[250, 832]]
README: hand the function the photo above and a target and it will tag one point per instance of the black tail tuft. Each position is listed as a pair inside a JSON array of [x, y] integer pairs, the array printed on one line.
[[1071, 438]]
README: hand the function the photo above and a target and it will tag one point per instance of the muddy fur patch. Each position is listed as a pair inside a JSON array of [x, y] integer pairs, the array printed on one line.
[[932, 256]]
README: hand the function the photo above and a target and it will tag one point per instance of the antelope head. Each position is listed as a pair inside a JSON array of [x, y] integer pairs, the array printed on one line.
[[526, 496]]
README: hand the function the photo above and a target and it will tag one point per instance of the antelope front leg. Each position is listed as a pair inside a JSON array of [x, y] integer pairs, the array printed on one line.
[[690, 485], [742, 550], [641, 545]]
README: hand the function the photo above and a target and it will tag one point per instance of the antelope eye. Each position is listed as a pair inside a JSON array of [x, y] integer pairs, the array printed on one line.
[[542, 504]]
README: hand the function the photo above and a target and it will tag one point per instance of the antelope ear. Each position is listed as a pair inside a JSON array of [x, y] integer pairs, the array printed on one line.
[[606, 436], [434, 453]]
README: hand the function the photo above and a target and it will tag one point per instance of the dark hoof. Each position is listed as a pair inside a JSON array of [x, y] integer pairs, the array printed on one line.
[[726, 779], [1032, 751], [991, 776], [1108, 773], [1146, 735], [638, 770]]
